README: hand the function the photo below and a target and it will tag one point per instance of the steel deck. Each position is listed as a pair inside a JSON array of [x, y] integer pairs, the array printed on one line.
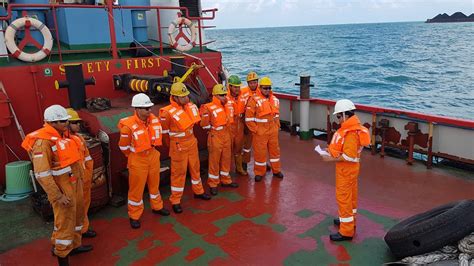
[[273, 222]]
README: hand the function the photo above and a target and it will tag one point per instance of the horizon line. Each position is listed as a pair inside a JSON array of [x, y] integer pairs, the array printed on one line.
[[309, 25]]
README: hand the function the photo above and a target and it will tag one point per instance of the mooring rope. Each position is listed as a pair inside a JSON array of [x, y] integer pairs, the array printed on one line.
[[464, 252]]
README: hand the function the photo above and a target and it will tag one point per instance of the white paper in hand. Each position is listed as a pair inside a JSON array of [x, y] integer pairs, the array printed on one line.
[[321, 151]]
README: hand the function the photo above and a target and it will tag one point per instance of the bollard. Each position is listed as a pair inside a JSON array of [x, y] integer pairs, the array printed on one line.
[[304, 102], [76, 85]]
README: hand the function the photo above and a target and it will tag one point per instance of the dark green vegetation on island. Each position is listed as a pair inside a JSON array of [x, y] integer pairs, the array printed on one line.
[[455, 17]]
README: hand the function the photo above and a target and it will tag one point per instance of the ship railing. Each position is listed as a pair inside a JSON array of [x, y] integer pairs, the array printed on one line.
[[114, 49], [414, 135]]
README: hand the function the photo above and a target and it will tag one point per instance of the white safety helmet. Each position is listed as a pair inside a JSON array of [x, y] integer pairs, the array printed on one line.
[[141, 100], [343, 105], [55, 113]]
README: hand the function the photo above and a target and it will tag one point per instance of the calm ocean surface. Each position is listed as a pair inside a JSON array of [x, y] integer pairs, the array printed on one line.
[[427, 68]]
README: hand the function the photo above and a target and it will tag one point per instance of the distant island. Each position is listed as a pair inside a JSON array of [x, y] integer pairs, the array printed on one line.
[[456, 17]]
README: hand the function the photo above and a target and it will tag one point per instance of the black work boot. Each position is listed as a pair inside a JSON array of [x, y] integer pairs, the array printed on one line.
[[258, 178], [279, 175], [89, 234], [213, 191], [63, 261], [202, 196], [135, 224], [177, 208], [269, 167], [162, 212], [81, 249], [338, 237], [232, 185]]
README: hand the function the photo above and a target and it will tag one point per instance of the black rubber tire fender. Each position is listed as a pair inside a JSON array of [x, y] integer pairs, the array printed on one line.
[[431, 230]]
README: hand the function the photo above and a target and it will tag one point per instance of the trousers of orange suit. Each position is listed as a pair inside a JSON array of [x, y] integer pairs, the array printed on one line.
[[261, 144], [184, 152], [219, 146], [144, 168], [247, 147], [346, 195], [87, 186], [68, 219], [237, 134]]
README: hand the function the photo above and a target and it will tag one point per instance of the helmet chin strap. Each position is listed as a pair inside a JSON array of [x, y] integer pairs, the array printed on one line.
[[344, 116]]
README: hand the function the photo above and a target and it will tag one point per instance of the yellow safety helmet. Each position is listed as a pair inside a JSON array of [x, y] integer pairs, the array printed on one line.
[[265, 81], [73, 115], [179, 89], [219, 89], [252, 76]]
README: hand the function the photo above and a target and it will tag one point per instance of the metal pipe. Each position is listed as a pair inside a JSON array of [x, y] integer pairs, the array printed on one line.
[[374, 125], [429, 164], [33, 71], [305, 85], [113, 40], [57, 35], [159, 31], [200, 36], [328, 125]]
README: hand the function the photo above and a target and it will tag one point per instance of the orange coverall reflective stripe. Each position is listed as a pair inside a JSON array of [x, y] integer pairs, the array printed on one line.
[[183, 148], [138, 141], [263, 120]]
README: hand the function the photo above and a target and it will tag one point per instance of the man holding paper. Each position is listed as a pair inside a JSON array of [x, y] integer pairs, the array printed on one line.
[[345, 149]]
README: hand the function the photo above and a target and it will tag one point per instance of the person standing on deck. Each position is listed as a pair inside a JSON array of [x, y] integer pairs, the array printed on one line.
[[345, 149], [262, 117], [58, 170], [178, 120], [239, 98], [140, 137], [88, 163], [217, 116], [251, 89]]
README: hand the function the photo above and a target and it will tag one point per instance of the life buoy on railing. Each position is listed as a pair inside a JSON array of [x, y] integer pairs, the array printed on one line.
[[174, 39], [17, 50]]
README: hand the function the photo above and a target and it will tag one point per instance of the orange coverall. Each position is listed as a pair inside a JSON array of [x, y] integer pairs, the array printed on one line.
[[138, 141], [348, 142], [238, 125], [58, 170], [217, 119], [178, 122], [247, 141], [87, 180], [263, 120]]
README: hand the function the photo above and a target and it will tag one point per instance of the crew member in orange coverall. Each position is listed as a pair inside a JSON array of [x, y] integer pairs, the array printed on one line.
[[251, 89], [345, 149], [140, 136], [263, 120], [178, 120], [74, 129], [217, 116], [239, 98], [58, 170]]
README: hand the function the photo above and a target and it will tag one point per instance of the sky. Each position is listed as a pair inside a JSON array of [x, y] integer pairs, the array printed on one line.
[[277, 13]]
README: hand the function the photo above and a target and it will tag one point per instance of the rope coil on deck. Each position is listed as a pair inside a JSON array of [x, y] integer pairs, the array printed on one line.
[[464, 252]]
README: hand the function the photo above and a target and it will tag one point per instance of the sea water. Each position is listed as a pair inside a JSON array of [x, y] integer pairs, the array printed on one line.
[[428, 68]]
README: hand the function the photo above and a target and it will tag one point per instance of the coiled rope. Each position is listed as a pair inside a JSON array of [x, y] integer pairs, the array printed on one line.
[[464, 252]]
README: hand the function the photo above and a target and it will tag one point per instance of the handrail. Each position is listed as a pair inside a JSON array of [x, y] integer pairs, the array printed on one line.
[[450, 121], [109, 8]]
